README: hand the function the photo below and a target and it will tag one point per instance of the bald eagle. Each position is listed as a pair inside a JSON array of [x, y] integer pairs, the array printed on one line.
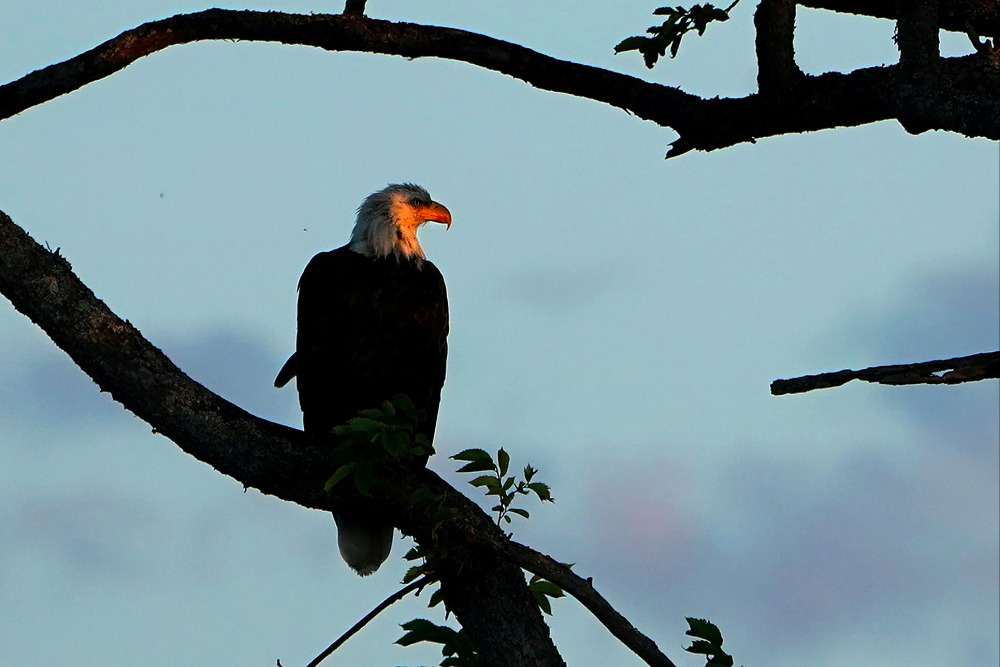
[[372, 323]]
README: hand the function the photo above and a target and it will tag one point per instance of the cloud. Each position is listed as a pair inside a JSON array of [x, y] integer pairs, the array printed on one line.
[[44, 393]]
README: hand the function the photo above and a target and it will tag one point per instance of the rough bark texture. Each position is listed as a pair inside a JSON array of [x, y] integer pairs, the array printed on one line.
[[976, 367], [963, 96]]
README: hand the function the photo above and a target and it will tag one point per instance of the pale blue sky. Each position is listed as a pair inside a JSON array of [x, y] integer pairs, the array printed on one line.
[[616, 321]]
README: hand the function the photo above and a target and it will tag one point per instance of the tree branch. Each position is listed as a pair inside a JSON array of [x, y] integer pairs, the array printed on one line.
[[382, 606], [917, 33], [944, 371], [774, 22], [965, 98], [583, 590], [355, 8], [953, 15], [489, 596], [481, 584]]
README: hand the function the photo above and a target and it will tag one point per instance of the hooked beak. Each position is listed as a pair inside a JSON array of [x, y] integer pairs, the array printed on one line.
[[436, 213]]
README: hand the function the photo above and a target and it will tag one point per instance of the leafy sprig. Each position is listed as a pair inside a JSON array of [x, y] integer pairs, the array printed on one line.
[[506, 488], [679, 22], [375, 437], [708, 642], [456, 647]]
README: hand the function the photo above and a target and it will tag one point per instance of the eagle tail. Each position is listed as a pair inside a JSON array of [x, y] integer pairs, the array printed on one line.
[[287, 372], [364, 544]]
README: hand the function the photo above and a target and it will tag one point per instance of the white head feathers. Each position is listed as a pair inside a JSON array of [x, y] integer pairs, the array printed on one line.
[[388, 221]]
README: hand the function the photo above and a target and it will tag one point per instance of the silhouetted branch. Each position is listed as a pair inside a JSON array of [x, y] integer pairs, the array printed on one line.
[[774, 21], [953, 15], [944, 371], [583, 590], [483, 587], [488, 596], [964, 97], [355, 8], [382, 606]]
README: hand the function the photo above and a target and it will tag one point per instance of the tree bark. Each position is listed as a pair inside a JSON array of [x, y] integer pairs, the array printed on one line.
[[964, 97]]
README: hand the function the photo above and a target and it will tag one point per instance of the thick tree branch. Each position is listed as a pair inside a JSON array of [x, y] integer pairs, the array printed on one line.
[[482, 583], [774, 22], [965, 97], [488, 595], [953, 15], [355, 7], [917, 33], [944, 371]]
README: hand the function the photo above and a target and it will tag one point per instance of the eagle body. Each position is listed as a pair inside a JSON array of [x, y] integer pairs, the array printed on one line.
[[369, 328], [372, 323]]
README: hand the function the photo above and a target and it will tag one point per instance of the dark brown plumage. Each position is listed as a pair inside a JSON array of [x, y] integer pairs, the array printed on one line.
[[372, 323]]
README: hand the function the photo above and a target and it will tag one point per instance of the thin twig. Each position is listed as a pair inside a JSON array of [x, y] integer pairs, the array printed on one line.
[[943, 371], [395, 597]]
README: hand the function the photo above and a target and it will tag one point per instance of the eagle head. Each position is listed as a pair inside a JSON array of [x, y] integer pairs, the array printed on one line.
[[388, 221]]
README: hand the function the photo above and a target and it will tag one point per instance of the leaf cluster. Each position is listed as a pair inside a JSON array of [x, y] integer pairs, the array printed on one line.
[[679, 22], [708, 642], [375, 437], [497, 483], [456, 647]]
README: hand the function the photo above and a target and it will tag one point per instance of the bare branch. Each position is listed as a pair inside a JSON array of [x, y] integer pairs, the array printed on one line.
[[964, 98], [944, 371], [355, 8], [583, 590], [917, 33], [953, 15], [382, 606], [774, 22]]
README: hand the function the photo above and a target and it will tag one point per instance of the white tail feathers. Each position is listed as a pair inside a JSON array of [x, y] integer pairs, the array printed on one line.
[[364, 544]]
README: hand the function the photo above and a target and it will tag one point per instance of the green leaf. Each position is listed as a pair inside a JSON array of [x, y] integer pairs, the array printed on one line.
[[507, 483], [701, 646], [371, 413], [503, 461], [405, 405], [704, 629], [634, 43], [338, 475], [388, 408], [474, 454], [491, 483], [365, 425], [437, 597], [477, 466], [519, 512], [542, 491], [529, 472], [363, 477]]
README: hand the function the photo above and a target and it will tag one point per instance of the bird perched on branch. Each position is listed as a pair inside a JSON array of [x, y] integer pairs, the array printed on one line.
[[372, 323]]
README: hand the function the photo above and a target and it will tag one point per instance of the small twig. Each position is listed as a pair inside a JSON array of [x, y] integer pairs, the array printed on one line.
[[943, 371], [395, 597]]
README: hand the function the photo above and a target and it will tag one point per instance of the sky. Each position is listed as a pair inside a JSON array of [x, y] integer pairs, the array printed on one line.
[[616, 322]]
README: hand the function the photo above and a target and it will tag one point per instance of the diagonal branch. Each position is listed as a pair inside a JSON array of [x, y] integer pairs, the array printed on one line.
[[488, 596], [484, 587], [964, 98], [943, 371], [583, 590]]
